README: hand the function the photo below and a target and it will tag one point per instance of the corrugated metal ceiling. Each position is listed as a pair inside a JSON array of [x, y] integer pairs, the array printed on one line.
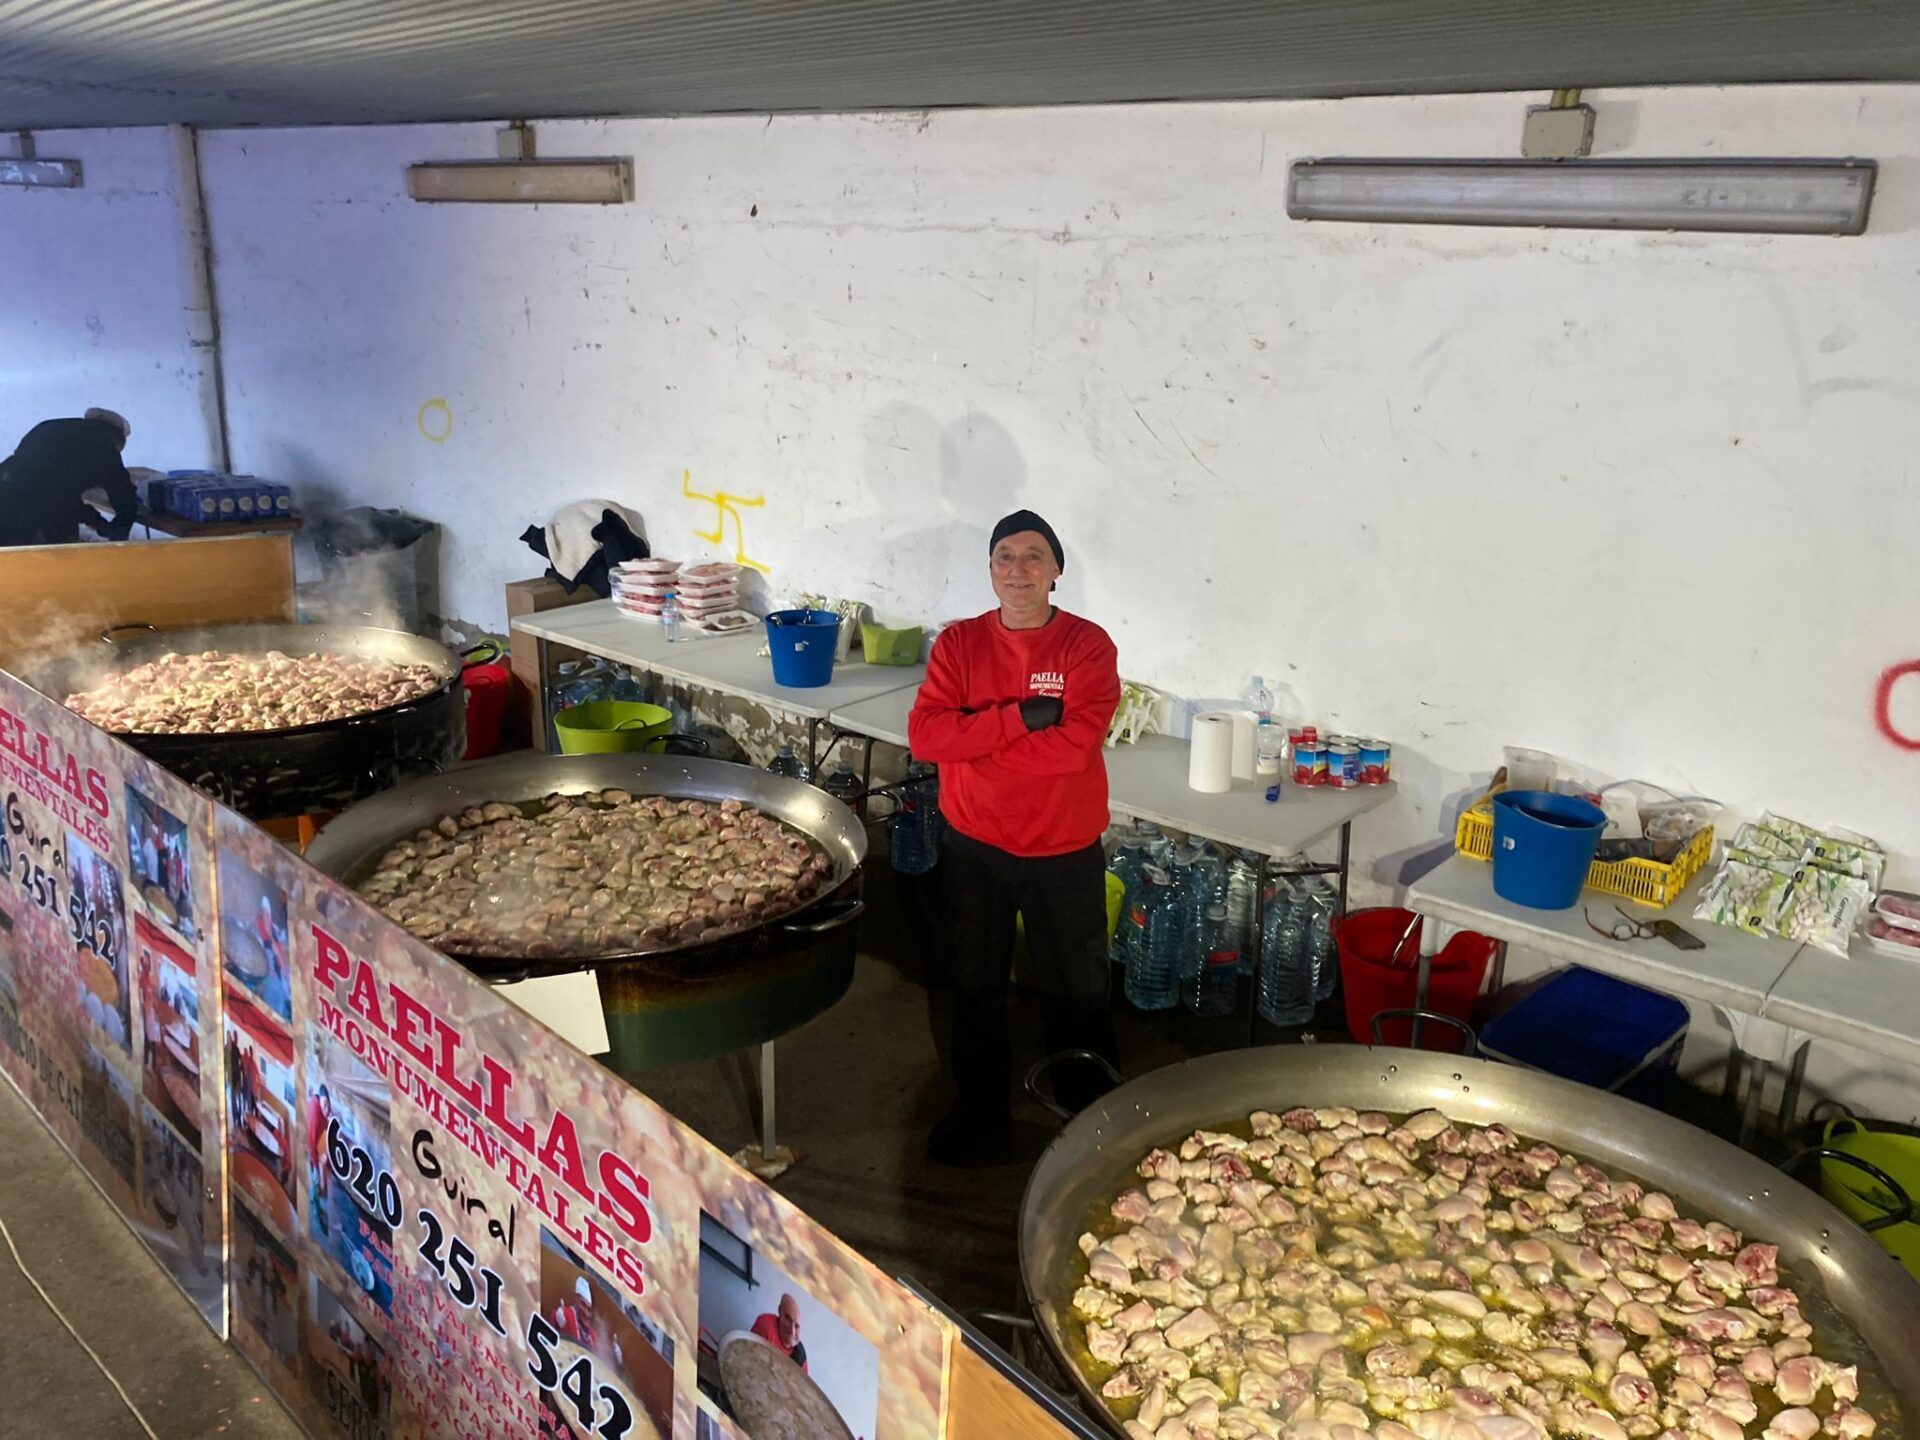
[[286, 62]]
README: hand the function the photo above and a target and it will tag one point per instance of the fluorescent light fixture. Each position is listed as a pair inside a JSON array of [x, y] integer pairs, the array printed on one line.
[[1773, 197], [50, 174], [523, 182]]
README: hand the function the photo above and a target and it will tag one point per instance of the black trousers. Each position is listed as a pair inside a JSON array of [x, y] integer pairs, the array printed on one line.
[[1062, 902]]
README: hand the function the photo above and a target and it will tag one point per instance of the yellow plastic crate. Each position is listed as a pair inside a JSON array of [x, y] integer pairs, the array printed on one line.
[[1645, 882]]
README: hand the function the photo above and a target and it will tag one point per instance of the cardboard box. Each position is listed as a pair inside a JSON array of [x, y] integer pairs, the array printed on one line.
[[530, 597]]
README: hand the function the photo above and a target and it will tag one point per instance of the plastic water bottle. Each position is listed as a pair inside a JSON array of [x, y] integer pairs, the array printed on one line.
[[1198, 877], [670, 616], [845, 786], [1157, 845], [1283, 993], [1153, 945], [1323, 956], [1243, 902], [1126, 862], [915, 839], [1211, 986], [1259, 699], [786, 763]]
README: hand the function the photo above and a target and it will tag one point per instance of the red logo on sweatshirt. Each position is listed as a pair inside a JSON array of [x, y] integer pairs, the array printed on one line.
[[1050, 683]]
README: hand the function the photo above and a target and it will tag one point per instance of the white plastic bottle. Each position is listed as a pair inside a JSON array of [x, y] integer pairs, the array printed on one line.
[[670, 616]]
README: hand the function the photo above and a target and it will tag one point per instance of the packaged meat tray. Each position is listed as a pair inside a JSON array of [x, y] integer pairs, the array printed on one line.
[[709, 572], [1899, 907], [1894, 940]]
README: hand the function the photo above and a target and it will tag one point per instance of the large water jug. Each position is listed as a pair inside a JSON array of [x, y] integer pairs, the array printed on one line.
[[1153, 944], [1323, 954], [1243, 903], [915, 839], [1211, 984], [1129, 857], [1283, 993]]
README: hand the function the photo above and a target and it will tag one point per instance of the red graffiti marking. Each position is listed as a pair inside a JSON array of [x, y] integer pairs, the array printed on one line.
[[1883, 703]]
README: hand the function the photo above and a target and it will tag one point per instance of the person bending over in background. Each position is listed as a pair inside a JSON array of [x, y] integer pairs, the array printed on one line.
[[42, 484], [1015, 711]]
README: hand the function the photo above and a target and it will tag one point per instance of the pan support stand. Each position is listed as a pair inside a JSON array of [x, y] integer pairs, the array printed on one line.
[[769, 1159], [1758, 1046]]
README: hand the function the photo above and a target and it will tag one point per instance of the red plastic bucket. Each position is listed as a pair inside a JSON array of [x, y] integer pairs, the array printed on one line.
[[1379, 969], [486, 688]]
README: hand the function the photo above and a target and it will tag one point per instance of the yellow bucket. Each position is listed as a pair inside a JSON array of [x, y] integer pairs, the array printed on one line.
[[1860, 1197]]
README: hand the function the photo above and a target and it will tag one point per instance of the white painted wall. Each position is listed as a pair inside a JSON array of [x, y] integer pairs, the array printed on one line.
[[96, 295], [1644, 500]]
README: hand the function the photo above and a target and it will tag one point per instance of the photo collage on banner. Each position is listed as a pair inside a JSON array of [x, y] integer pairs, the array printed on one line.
[[432, 1217], [494, 1235], [108, 1000]]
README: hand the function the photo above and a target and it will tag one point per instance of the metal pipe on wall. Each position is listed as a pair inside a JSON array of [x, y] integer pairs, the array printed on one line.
[[203, 314]]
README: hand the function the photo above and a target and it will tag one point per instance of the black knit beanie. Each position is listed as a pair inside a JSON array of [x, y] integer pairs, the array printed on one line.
[[1021, 521]]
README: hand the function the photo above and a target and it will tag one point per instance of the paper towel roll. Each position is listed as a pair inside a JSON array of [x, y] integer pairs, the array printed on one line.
[[1210, 765], [1245, 728]]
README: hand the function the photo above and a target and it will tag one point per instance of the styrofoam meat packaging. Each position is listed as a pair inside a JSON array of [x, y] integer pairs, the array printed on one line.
[[1895, 940], [706, 572], [1899, 907]]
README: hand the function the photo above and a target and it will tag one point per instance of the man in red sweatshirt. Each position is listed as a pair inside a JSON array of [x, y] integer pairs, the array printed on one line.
[[1015, 711]]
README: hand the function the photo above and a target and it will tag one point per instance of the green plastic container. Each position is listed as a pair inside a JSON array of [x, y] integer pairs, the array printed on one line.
[[610, 727], [892, 647], [1860, 1197]]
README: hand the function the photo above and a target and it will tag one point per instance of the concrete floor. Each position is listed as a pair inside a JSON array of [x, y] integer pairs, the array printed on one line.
[[858, 1089], [183, 1380]]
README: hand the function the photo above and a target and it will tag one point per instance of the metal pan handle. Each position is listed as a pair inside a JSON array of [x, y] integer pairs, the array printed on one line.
[[1472, 1035], [843, 914], [106, 635], [1031, 1084], [1004, 1318], [1903, 1210]]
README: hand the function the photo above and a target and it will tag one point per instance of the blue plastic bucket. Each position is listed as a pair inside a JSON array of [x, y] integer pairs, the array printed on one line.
[[803, 643], [1542, 846]]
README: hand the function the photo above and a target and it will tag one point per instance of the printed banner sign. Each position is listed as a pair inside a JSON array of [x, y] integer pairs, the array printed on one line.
[[434, 1218], [108, 977]]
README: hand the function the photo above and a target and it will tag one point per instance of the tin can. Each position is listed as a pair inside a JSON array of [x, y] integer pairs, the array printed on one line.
[[1343, 764], [1376, 762], [1309, 763]]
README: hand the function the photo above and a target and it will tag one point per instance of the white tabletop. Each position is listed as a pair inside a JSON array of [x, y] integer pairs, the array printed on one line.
[[1867, 1000], [884, 717], [1735, 969], [1148, 780], [726, 664]]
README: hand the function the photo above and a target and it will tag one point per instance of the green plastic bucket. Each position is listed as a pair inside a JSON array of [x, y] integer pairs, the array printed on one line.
[[608, 727], [1860, 1197]]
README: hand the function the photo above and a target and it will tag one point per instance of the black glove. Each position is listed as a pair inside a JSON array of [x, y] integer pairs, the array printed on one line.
[[1040, 711]]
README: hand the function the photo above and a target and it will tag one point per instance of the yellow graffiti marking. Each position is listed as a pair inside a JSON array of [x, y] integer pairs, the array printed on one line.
[[443, 424], [723, 505]]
